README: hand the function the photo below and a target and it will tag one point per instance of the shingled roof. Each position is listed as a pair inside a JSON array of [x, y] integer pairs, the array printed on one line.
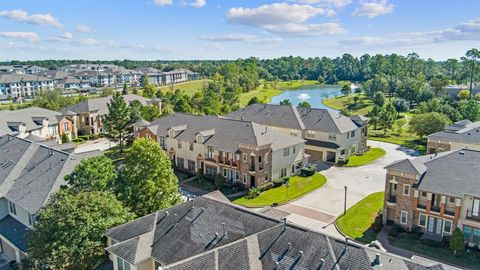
[[30, 117], [210, 234], [462, 131], [100, 104]]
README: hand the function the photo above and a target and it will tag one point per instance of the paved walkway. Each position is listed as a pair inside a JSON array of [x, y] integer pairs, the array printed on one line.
[[101, 144]]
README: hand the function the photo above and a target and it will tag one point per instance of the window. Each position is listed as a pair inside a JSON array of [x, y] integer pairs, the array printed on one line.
[[293, 132], [244, 178], [448, 226], [199, 139], [286, 152], [179, 145], [406, 190], [163, 142], [13, 208], [451, 199], [180, 162], [31, 219], [283, 172], [404, 217], [65, 127], [424, 194], [467, 232], [476, 235], [224, 172], [171, 134], [294, 149], [210, 152], [293, 169], [259, 159], [422, 220], [191, 146], [332, 137], [342, 152], [244, 157], [191, 165], [310, 134], [352, 134], [122, 264], [148, 136], [348, 135]]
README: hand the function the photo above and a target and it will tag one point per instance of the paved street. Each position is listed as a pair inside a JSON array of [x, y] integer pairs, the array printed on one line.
[[101, 144], [319, 209]]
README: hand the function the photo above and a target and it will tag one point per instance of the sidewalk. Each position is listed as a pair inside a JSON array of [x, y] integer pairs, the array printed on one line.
[[382, 237]]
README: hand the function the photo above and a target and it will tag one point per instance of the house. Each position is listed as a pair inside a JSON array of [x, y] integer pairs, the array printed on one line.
[[461, 135], [242, 152], [89, 114], [94, 67], [39, 122], [329, 135], [210, 233], [29, 174], [154, 75], [22, 69], [23, 85], [436, 193], [73, 83]]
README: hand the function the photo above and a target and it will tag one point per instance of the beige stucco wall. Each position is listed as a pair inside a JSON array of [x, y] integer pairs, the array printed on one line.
[[279, 161]]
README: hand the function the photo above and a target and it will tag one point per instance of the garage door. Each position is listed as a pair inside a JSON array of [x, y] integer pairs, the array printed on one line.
[[314, 155]]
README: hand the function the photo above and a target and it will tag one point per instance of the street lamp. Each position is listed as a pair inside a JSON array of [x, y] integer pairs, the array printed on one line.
[[345, 202]]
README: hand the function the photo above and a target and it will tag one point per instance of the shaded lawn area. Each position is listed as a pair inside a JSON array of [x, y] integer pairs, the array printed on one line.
[[359, 219], [412, 242], [362, 106], [188, 88], [208, 186], [367, 157], [298, 186]]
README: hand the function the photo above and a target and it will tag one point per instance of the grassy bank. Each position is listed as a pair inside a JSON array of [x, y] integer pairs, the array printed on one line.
[[298, 186], [362, 106], [189, 88], [367, 157]]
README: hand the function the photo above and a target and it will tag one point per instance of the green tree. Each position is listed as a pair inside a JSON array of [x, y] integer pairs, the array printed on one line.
[[438, 84], [107, 92], [464, 94], [428, 123], [472, 59], [346, 89], [387, 117], [69, 232], [253, 100], [117, 124], [401, 105], [93, 174], [477, 97], [378, 99], [457, 243], [469, 109], [147, 182], [150, 112], [135, 111], [286, 102], [125, 89], [304, 104], [374, 115], [218, 181], [65, 138]]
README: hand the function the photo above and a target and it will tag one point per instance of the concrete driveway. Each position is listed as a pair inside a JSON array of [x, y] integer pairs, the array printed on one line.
[[101, 144], [319, 209]]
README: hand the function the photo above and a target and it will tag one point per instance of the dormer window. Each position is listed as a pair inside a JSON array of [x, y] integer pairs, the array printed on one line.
[[199, 139], [171, 133]]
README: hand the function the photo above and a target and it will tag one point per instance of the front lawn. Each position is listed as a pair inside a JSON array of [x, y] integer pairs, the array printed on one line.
[[357, 223], [298, 186], [411, 241], [361, 106], [367, 157], [208, 186]]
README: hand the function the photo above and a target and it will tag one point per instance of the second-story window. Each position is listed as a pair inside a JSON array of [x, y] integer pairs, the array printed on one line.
[[65, 127], [191, 146], [332, 137], [31, 219], [406, 190], [310, 134], [352, 134], [179, 145], [210, 152], [294, 149], [162, 142], [286, 152], [12, 207]]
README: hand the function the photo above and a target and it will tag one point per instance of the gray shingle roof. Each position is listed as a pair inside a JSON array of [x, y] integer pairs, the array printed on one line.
[[31, 117], [408, 165], [295, 118], [16, 78], [100, 104], [185, 239], [462, 131]]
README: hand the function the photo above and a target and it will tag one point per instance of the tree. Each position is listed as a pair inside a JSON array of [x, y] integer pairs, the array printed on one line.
[[355, 99], [401, 105], [117, 124], [150, 112], [107, 92], [464, 94], [304, 104], [253, 100], [69, 232], [147, 182], [135, 111], [472, 58], [218, 181], [93, 174], [457, 243], [286, 102], [428, 123], [65, 138], [469, 109], [477, 97], [438, 84], [125, 89], [378, 99], [346, 89], [387, 117], [374, 115]]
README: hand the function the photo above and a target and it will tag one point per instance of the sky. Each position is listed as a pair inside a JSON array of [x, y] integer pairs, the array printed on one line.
[[231, 29]]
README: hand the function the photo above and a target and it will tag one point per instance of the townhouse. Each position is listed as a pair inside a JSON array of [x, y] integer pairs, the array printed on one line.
[[436, 193], [29, 174], [461, 135], [88, 115], [38, 122], [210, 233], [127, 76], [22, 69], [242, 152], [329, 135], [23, 85], [95, 77]]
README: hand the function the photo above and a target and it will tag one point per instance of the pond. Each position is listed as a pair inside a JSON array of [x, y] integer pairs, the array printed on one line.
[[313, 94]]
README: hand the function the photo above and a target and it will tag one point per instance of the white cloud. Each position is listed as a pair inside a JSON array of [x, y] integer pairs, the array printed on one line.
[[19, 15], [228, 37], [285, 18], [83, 28], [67, 36], [214, 47], [163, 2], [334, 3], [87, 42], [198, 3], [374, 9], [25, 36]]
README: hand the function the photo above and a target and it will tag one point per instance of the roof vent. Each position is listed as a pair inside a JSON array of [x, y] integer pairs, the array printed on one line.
[[376, 261], [462, 152]]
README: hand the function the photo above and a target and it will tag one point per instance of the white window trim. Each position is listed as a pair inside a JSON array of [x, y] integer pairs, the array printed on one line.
[[406, 217], [420, 225], [403, 191], [451, 225]]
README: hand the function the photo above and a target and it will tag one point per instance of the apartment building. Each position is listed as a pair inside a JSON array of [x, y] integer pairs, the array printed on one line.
[[329, 135], [461, 135], [23, 85], [436, 193], [29, 174], [38, 122], [22, 69], [210, 233], [92, 67], [242, 152], [89, 114]]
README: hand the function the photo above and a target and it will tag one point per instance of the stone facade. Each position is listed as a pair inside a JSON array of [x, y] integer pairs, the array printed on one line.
[[435, 146], [397, 199]]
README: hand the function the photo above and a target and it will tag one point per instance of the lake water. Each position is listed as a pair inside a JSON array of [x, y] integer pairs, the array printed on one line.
[[313, 94]]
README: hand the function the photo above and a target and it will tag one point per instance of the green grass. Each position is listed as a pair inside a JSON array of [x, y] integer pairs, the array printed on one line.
[[207, 185], [298, 186], [359, 219], [362, 106], [410, 241], [189, 88], [366, 158]]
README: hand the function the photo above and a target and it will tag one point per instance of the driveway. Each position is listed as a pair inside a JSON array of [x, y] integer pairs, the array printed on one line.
[[319, 209], [101, 144]]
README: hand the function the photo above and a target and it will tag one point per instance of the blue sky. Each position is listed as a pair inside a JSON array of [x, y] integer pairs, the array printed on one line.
[[214, 29]]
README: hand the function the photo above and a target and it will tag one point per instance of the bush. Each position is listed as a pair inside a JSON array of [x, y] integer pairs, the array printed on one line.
[[78, 140], [218, 181], [308, 171], [84, 137], [342, 161], [65, 138], [253, 193], [431, 243], [396, 229], [281, 181], [457, 243], [377, 224]]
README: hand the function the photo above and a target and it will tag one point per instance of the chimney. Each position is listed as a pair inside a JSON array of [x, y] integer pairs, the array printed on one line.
[[174, 218], [284, 223], [224, 230], [376, 261]]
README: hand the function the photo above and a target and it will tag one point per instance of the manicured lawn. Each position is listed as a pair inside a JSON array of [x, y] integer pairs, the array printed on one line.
[[298, 186], [362, 106], [207, 185], [410, 241], [189, 88], [359, 219], [366, 158]]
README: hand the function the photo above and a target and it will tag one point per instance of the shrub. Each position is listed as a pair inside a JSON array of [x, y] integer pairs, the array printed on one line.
[[278, 182], [65, 138], [84, 137], [396, 229], [78, 140], [377, 224], [431, 243], [308, 171], [253, 193], [218, 182], [342, 161], [457, 243]]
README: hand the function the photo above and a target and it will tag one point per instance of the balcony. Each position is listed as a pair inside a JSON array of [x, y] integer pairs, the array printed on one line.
[[435, 208], [473, 215], [392, 200], [449, 213], [251, 168], [422, 207]]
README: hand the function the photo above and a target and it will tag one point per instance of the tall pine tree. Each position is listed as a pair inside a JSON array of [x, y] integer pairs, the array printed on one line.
[[117, 124]]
